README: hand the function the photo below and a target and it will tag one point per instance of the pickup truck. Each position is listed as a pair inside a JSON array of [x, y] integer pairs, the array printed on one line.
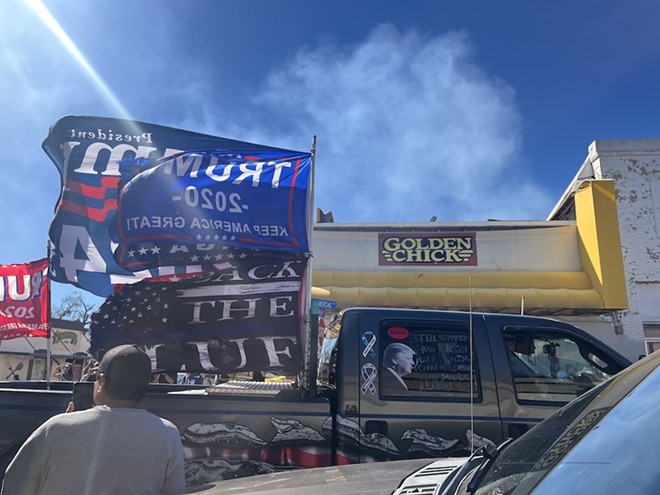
[[392, 384]]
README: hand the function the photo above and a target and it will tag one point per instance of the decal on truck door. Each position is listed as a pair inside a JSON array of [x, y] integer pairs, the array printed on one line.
[[422, 442], [399, 360], [369, 374], [219, 451], [349, 432], [369, 340], [427, 362]]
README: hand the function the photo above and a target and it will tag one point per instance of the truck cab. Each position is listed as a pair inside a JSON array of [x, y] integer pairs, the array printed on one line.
[[415, 383]]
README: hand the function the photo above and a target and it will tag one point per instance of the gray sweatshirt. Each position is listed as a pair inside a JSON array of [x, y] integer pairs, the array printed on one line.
[[100, 451]]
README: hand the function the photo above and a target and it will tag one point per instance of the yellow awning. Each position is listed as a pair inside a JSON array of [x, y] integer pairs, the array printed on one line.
[[594, 284], [557, 292]]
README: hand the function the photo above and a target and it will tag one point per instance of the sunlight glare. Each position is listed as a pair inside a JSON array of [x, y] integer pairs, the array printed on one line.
[[44, 14]]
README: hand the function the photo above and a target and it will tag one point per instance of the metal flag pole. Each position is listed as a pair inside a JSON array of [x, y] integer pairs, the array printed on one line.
[[471, 367], [50, 330], [311, 330]]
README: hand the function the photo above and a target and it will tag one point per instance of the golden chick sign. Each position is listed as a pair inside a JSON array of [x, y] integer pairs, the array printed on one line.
[[427, 249]]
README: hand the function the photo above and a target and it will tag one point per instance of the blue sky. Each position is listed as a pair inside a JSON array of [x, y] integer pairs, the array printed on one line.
[[461, 110]]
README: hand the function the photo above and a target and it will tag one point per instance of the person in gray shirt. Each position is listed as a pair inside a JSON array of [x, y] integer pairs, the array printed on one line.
[[112, 448]]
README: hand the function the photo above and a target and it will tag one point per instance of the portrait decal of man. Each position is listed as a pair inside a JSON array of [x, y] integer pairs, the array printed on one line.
[[398, 361]]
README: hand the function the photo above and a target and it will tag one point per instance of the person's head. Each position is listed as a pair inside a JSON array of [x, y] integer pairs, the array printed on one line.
[[123, 374], [400, 358]]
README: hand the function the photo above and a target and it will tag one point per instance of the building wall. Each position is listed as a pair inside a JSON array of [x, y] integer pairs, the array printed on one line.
[[634, 165], [24, 358], [628, 342]]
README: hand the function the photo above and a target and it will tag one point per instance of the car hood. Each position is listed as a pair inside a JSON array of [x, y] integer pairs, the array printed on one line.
[[425, 480], [413, 476]]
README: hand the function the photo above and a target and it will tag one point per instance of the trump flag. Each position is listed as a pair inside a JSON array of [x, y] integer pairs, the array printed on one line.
[[24, 300], [87, 152], [245, 199]]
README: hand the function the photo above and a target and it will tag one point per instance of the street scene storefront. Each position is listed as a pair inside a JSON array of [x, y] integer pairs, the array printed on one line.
[[25, 358], [568, 269], [595, 261]]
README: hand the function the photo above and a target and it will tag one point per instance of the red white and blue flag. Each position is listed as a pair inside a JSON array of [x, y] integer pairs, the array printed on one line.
[[24, 300], [244, 318], [88, 152], [253, 200], [187, 225]]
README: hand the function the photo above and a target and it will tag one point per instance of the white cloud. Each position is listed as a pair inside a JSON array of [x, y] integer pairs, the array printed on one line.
[[408, 127], [408, 124]]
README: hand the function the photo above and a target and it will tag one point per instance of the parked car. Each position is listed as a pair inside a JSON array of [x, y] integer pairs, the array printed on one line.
[[603, 442]]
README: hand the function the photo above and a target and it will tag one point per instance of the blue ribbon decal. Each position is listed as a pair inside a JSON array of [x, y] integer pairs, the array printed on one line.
[[369, 340]]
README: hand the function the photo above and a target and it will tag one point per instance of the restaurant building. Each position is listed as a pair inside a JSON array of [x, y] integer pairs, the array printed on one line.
[[595, 262]]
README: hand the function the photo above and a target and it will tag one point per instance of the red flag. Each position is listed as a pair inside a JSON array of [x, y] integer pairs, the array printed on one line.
[[24, 300]]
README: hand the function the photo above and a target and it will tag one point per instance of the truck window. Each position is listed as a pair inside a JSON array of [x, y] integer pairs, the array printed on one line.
[[327, 370], [551, 366], [422, 361]]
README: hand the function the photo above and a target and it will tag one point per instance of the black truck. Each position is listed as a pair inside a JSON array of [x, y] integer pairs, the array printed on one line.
[[391, 384]]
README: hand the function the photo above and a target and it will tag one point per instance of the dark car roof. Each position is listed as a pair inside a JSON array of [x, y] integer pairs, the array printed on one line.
[[585, 443]]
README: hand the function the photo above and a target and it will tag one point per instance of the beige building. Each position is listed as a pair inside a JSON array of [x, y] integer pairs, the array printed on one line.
[[595, 262], [25, 358]]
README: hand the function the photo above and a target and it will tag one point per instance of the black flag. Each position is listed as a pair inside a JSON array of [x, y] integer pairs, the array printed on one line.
[[240, 319]]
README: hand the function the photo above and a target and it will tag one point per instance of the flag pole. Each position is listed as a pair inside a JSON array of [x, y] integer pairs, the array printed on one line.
[[310, 330], [471, 365], [50, 330]]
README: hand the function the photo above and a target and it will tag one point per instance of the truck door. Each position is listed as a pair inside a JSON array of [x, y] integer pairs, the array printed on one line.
[[540, 365], [425, 386]]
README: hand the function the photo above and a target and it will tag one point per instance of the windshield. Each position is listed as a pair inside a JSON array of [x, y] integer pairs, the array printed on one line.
[[515, 461], [587, 458]]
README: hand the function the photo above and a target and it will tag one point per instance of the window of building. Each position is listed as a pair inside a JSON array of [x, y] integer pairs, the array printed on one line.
[[652, 337]]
